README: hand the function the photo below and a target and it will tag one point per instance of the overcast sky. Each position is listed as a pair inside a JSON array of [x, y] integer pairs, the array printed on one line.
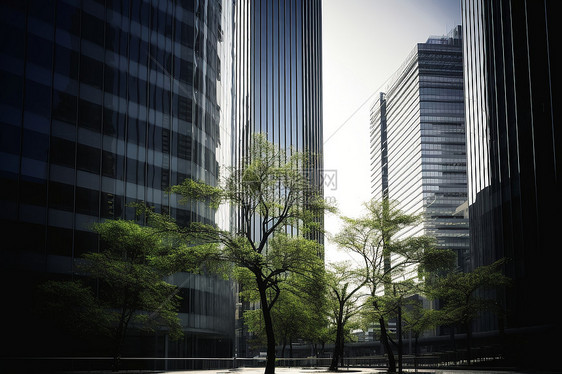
[[364, 43]]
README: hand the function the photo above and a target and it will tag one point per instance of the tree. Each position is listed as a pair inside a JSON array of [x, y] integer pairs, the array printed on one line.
[[463, 296], [389, 263], [278, 209], [130, 270], [295, 315], [344, 284]]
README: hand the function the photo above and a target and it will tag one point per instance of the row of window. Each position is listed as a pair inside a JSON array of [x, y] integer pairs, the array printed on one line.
[[60, 197]]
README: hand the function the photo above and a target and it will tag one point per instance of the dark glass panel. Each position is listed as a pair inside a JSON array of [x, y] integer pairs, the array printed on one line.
[[35, 145], [112, 36], [113, 123], [66, 61], [87, 201], [85, 242], [9, 192], [33, 193], [39, 51], [184, 108], [136, 131], [88, 158], [92, 29], [91, 71], [59, 241], [131, 170], [133, 88], [154, 177], [111, 205], [188, 5], [154, 137], [10, 139], [112, 165], [89, 115], [64, 107], [12, 34], [42, 9], [62, 152], [61, 196], [38, 98], [31, 237], [68, 17], [12, 89], [134, 48], [115, 81]]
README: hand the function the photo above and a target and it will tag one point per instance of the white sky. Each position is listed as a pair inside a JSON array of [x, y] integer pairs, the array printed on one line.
[[364, 43]]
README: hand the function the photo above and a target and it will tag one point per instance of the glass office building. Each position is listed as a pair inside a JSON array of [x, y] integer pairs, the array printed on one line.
[[418, 154], [277, 79], [104, 103], [514, 146]]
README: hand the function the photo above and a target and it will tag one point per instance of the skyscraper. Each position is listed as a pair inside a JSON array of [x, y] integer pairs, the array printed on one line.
[[278, 80], [105, 103], [418, 155], [514, 147], [278, 76]]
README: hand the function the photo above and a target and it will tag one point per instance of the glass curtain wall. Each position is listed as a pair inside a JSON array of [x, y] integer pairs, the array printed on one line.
[[418, 153], [104, 103], [514, 143]]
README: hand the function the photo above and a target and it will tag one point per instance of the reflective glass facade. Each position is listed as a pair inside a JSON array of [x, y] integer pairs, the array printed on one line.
[[418, 155], [278, 76], [514, 147], [277, 80], [105, 103]]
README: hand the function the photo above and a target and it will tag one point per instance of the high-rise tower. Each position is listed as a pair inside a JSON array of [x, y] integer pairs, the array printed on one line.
[[514, 145], [105, 103], [278, 76], [277, 80], [418, 155]]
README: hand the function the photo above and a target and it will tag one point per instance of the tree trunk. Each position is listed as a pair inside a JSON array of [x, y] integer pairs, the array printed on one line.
[[269, 333], [120, 338], [117, 351], [468, 341], [386, 344], [336, 355], [291, 347], [339, 340], [399, 331]]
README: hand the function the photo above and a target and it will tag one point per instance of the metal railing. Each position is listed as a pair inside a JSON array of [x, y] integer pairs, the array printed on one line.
[[159, 364]]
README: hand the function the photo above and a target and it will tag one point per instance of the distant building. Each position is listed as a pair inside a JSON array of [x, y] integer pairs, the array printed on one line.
[[514, 143], [418, 151], [105, 103]]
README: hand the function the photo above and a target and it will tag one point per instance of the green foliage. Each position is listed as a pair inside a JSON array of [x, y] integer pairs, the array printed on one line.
[[198, 191], [463, 295], [394, 268], [129, 272], [297, 314], [344, 285], [73, 307], [274, 196]]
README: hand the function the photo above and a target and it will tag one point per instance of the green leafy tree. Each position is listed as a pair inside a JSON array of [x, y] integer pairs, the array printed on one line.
[[418, 319], [278, 209], [388, 262], [344, 285], [130, 269], [463, 296], [295, 315]]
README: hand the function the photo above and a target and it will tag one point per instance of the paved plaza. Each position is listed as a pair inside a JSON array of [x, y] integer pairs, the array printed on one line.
[[301, 370]]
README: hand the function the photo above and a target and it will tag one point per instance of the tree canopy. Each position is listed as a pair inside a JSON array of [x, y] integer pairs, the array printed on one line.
[[279, 209]]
